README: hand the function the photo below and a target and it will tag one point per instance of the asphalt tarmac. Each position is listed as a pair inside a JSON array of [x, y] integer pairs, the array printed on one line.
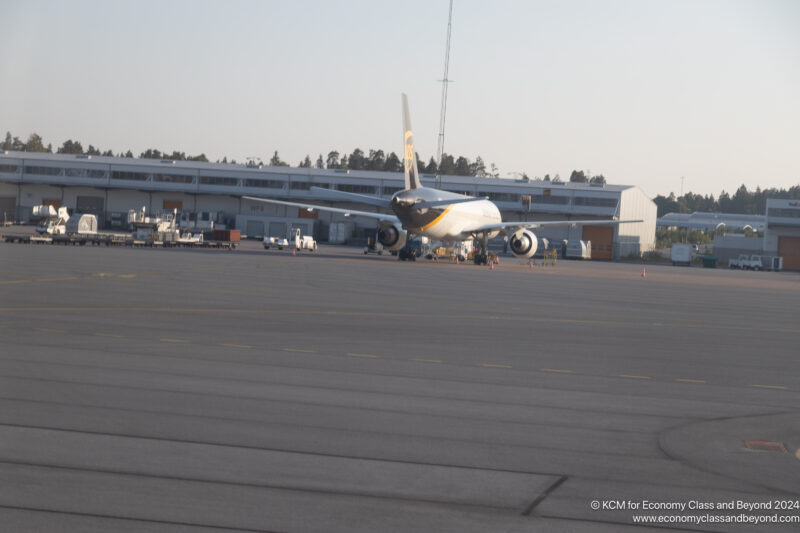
[[189, 390]]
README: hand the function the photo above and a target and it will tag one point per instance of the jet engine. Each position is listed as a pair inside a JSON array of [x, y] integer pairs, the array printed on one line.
[[392, 237], [523, 243]]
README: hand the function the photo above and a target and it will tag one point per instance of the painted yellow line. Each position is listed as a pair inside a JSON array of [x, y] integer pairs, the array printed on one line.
[[182, 341], [127, 275], [632, 376], [53, 330], [99, 275], [779, 387], [65, 278], [492, 365], [797, 453], [367, 355], [235, 345], [15, 281], [420, 360], [114, 335], [298, 350], [685, 380], [558, 370]]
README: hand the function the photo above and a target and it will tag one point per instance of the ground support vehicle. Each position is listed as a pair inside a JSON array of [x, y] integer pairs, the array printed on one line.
[[681, 254], [119, 239], [303, 242], [275, 242], [373, 246], [745, 262]]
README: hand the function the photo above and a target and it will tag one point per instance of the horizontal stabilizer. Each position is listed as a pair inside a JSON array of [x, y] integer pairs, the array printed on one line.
[[311, 207], [341, 196]]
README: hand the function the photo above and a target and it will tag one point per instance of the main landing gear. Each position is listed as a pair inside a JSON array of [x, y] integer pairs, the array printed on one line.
[[481, 254]]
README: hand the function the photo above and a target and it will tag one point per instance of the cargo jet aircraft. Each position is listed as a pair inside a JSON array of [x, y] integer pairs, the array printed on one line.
[[437, 214]]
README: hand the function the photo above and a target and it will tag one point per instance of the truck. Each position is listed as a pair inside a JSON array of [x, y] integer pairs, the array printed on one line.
[[51, 222], [681, 254], [152, 229], [745, 262], [303, 242], [578, 250], [275, 242], [296, 238]]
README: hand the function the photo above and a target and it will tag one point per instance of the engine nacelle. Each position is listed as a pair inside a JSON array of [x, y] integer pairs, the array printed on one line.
[[523, 243], [392, 237]]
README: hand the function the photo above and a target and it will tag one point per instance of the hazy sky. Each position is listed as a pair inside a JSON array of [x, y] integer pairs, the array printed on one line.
[[642, 91]]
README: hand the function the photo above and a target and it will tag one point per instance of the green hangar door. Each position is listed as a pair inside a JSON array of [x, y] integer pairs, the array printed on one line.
[[8, 208], [90, 205], [602, 238], [789, 249]]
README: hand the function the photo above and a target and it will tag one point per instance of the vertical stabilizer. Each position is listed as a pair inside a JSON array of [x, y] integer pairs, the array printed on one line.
[[409, 155]]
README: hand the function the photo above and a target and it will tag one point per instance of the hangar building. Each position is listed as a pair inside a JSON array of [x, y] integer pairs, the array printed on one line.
[[110, 186], [782, 237]]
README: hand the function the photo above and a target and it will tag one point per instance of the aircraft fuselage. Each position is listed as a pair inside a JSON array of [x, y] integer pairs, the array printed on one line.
[[446, 222]]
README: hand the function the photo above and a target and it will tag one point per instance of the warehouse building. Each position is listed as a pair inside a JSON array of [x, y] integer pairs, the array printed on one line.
[[782, 236], [713, 221], [110, 186]]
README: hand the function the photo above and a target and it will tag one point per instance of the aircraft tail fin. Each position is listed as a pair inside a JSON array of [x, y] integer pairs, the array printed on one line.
[[409, 155]]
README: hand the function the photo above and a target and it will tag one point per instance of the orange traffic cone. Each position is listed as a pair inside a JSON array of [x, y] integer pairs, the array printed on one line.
[[530, 264], [294, 252], [643, 271], [456, 259], [491, 265]]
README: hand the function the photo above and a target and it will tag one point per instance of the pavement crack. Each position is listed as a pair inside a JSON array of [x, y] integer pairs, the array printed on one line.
[[544, 494]]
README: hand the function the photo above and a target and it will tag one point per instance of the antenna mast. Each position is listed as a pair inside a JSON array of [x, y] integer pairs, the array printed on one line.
[[445, 81]]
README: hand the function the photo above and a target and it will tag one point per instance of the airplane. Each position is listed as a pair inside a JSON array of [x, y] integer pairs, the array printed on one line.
[[439, 215]]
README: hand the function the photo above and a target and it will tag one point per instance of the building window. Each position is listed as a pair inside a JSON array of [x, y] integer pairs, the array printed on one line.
[[596, 202], [389, 191], [84, 173], [358, 189], [9, 168], [464, 193], [547, 199], [130, 176], [264, 184], [783, 213], [44, 171], [306, 185], [219, 180], [500, 196], [174, 178]]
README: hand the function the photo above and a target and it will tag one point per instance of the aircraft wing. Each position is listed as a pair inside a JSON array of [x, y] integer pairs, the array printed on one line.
[[346, 212], [514, 226]]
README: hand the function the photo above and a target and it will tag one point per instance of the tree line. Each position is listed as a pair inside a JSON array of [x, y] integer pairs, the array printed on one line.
[[357, 160], [36, 144], [391, 162], [742, 201], [377, 160]]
